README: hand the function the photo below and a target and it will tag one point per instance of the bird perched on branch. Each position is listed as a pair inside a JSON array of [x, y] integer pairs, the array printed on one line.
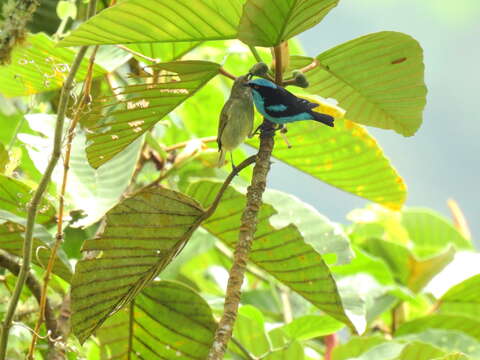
[[236, 119], [280, 106]]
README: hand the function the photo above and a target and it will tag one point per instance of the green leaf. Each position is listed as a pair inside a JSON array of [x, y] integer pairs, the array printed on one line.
[[464, 324], [454, 356], [269, 23], [409, 270], [356, 346], [430, 232], [311, 326], [293, 350], [39, 66], [463, 298], [346, 157], [168, 321], [249, 330], [92, 190], [282, 252], [142, 235], [141, 21], [15, 196], [114, 124], [66, 9], [377, 78], [12, 233]]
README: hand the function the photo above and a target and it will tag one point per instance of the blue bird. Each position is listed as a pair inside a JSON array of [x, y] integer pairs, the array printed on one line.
[[280, 106]]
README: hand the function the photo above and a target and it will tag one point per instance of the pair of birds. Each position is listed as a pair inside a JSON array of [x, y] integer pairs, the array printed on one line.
[[271, 100]]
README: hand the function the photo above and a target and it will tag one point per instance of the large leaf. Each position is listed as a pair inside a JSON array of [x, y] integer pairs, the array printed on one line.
[[249, 330], [282, 252], [168, 321], [39, 66], [116, 121], [311, 326], [142, 235], [163, 51], [12, 232], [346, 157], [94, 191], [463, 298], [268, 23], [356, 346], [15, 196], [430, 232], [377, 78], [138, 21]]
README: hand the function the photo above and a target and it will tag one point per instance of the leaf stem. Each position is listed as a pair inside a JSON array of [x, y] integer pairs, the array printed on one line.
[[331, 341], [310, 66], [243, 349], [226, 73], [255, 53]]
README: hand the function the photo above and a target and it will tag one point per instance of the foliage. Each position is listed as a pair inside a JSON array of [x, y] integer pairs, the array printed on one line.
[[157, 223]]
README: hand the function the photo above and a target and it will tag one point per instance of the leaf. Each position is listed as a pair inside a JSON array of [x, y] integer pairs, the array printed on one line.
[[377, 78], [430, 232], [142, 235], [419, 351], [12, 230], [269, 23], [114, 124], [346, 157], [311, 326], [15, 196], [168, 321], [94, 191], [249, 330], [39, 66], [463, 298], [409, 270], [454, 356], [282, 252], [356, 346], [293, 350], [464, 324], [142, 21]]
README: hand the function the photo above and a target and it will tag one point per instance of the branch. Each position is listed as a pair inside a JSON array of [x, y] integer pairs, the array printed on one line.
[[310, 66], [331, 341], [8, 262], [33, 205], [226, 73], [14, 27], [248, 227], [255, 53]]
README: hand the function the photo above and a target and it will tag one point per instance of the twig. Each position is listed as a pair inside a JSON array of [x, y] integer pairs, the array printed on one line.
[[226, 73], [310, 66], [179, 145], [140, 55], [8, 262], [286, 305], [37, 197], [247, 230], [255, 53], [61, 198], [243, 349]]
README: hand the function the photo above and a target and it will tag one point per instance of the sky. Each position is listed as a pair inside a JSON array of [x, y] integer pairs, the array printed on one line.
[[441, 160]]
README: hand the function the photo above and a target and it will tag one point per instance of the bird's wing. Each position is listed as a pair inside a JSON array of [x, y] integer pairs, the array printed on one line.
[[222, 123], [282, 103]]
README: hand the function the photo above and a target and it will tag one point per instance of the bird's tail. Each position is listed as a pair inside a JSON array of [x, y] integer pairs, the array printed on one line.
[[323, 118], [221, 158]]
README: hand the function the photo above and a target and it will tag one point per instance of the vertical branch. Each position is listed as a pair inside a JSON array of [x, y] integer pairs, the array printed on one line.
[[247, 231], [331, 341], [61, 202], [38, 195]]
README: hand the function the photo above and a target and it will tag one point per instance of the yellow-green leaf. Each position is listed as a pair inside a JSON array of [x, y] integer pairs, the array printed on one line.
[[346, 157], [38, 66], [137, 21], [142, 235], [268, 23], [377, 78], [116, 121]]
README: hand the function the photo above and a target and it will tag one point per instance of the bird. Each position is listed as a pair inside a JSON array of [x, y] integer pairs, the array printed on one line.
[[236, 119], [280, 106]]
